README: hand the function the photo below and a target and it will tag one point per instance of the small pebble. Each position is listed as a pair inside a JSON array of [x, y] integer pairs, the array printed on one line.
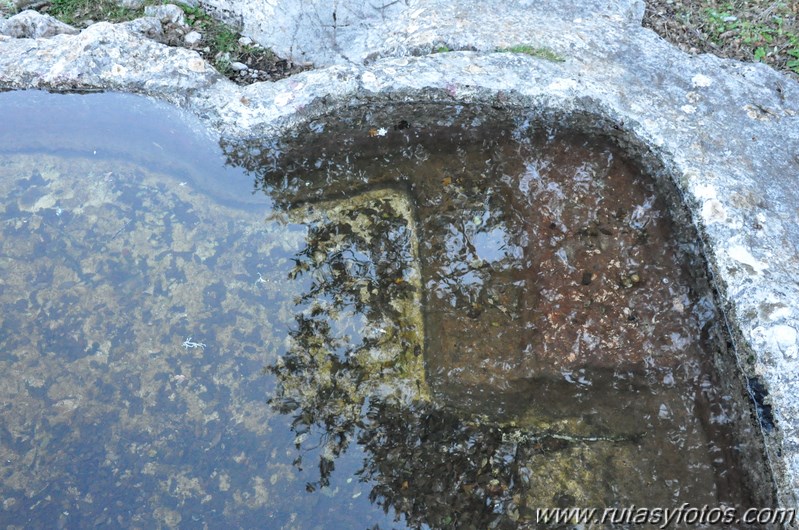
[[192, 38], [245, 41], [238, 67]]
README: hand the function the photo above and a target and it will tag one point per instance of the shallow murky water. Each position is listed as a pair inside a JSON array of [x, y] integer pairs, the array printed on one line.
[[423, 319]]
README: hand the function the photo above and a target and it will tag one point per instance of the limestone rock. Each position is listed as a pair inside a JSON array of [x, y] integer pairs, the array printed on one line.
[[325, 32], [169, 13], [149, 27], [33, 25], [115, 57]]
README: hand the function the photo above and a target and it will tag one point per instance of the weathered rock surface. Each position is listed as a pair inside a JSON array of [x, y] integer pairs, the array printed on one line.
[[726, 132], [168, 13], [34, 25], [116, 57], [350, 31], [149, 27]]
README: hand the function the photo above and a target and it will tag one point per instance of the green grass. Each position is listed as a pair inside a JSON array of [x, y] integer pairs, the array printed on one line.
[[533, 51], [221, 39], [76, 11], [7, 6], [760, 36], [526, 49]]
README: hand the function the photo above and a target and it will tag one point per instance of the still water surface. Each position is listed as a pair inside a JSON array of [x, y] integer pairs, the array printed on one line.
[[402, 322]]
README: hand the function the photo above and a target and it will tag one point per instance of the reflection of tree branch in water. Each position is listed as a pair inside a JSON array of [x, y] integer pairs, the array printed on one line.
[[427, 464], [358, 259], [439, 470]]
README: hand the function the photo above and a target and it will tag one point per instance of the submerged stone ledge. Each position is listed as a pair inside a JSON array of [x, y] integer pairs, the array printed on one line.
[[726, 133]]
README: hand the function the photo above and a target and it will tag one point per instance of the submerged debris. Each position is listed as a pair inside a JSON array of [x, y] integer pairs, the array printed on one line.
[[188, 344]]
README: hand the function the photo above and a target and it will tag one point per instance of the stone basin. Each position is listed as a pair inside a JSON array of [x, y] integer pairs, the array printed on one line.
[[563, 287], [432, 280], [724, 134]]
